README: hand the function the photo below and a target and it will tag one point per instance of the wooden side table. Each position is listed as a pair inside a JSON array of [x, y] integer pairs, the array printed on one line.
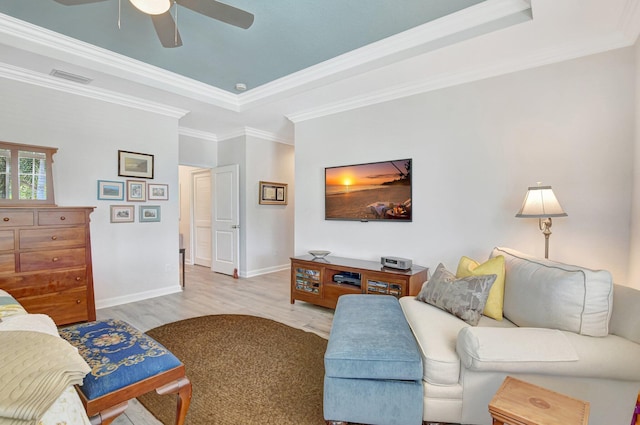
[[520, 403]]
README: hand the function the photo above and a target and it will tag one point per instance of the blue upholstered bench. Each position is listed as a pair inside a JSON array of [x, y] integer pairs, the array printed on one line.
[[125, 363], [373, 369]]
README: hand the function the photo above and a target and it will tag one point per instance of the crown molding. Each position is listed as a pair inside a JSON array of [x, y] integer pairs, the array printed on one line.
[[420, 39], [49, 43], [197, 134], [265, 135], [253, 132], [548, 56], [11, 72]]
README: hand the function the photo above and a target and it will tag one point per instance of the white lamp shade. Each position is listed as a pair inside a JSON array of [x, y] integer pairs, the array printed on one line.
[[541, 202], [152, 7]]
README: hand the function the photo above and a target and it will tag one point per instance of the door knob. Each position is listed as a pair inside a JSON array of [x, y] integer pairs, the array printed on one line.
[[235, 226]]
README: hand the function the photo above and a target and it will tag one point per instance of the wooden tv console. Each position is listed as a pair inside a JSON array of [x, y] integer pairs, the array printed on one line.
[[321, 281]]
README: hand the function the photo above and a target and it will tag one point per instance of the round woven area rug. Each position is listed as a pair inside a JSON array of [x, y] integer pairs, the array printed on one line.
[[244, 370]]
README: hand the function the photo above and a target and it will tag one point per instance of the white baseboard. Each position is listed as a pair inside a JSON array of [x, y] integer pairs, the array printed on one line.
[[125, 299], [266, 270]]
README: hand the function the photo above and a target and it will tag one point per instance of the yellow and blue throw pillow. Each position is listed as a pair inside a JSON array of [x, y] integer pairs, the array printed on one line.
[[469, 267]]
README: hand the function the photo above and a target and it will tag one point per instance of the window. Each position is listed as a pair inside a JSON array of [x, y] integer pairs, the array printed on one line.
[[26, 174]]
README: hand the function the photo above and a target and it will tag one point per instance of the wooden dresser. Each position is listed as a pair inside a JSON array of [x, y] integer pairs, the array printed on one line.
[[45, 261]]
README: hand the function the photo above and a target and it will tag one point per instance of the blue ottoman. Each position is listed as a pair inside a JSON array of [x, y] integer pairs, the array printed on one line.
[[373, 369], [125, 363]]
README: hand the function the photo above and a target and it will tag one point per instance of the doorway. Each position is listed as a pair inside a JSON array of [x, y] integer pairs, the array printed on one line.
[[209, 217]]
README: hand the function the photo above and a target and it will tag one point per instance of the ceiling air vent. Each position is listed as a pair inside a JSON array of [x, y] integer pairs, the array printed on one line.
[[69, 76]]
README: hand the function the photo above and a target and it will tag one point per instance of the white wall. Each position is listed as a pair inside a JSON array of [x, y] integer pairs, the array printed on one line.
[[475, 149], [269, 228], [197, 152], [130, 260], [266, 231]]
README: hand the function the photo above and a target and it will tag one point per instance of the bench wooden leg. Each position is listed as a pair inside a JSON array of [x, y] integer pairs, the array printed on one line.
[[183, 388], [107, 416]]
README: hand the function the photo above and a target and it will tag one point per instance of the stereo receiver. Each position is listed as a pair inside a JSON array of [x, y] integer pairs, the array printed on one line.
[[396, 263]]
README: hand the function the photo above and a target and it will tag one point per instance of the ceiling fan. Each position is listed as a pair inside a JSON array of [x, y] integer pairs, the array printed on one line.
[[166, 28]]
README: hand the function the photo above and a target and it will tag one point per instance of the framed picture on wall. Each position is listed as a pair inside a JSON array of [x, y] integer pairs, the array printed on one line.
[[122, 213], [273, 193], [134, 164], [109, 190], [158, 192], [149, 213], [136, 191]]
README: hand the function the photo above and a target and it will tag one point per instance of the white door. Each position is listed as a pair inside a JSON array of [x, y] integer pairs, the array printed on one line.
[[202, 217], [226, 220]]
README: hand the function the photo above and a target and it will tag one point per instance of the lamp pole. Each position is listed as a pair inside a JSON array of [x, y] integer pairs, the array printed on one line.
[[545, 226]]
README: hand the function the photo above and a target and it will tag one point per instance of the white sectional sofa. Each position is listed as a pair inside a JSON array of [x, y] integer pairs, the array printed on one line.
[[565, 328]]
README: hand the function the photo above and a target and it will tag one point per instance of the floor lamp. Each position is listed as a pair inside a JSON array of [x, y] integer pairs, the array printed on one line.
[[540, 202]]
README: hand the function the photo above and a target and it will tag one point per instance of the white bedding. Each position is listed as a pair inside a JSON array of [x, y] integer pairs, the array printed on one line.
[[67, 409]]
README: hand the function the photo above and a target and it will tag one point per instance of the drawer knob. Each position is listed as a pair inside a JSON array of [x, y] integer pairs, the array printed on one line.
[[78, 278], [54, 259], [63, 218], [5, 219], [78, 301], [54, 238]]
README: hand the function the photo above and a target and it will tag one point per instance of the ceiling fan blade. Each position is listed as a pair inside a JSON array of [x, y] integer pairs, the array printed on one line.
[[166, 30], [76, 2], [220, 11]]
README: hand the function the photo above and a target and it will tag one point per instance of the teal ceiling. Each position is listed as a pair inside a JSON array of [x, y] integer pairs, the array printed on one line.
[[286, 36]]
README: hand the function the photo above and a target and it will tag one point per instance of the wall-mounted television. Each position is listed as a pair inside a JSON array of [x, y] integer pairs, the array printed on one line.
[[376, 191]]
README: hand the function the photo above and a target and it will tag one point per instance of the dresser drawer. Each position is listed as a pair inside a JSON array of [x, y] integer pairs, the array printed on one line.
[[52, 259], [6, 240], [64, 307], [31, 284], [10, 218], [52, 237], [64, 217], [7, 263]]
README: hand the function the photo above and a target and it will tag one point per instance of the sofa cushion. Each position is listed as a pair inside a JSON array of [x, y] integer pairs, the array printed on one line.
[[507, 349], [546, 294], [436, 332], [464, 298], [470, 267], [563, 354]]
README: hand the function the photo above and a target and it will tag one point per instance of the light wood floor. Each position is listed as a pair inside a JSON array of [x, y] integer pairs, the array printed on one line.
[[213, 293]]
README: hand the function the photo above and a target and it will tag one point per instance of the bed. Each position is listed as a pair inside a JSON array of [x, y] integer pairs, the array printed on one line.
[[47, 395]]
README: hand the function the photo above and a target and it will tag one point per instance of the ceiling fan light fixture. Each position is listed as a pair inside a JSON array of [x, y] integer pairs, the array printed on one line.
[[152, 7]]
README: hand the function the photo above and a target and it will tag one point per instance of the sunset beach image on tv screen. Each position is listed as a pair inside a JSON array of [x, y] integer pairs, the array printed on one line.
[[369, 192]]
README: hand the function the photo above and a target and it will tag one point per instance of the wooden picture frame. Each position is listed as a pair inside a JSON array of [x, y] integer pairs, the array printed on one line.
[[157, 192], [136, 191], [149, 213], [135, 164], [122, 213], [110, 190], [272, 193]]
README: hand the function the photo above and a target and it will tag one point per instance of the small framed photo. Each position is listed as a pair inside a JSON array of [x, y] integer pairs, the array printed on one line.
[[109, 190], [136, 191], [134, 164], [149, 213], [158, 192], [273, 193], [122, 213]]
